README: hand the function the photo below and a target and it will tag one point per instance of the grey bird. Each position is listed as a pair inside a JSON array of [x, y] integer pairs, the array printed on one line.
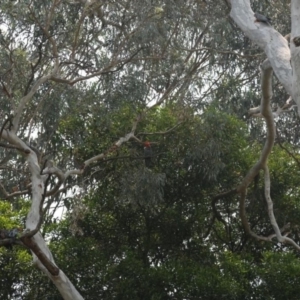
[[263, 19]]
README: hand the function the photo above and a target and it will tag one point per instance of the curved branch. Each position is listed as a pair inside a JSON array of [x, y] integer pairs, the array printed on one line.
[[266, 84], [111, 68], [280, 237]]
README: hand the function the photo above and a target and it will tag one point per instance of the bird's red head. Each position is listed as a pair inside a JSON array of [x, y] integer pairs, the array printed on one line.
[[147, 144]]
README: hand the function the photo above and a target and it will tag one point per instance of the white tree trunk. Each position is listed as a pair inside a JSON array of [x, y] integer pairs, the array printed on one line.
[[272, 42], [295, 51], [63, 284]]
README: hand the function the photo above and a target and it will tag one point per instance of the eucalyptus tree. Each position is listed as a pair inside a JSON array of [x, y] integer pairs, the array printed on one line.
[[89, 57], [282, 59], [80, 80]]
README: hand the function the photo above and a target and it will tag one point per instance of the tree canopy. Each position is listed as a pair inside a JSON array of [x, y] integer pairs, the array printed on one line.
[[213, 91]]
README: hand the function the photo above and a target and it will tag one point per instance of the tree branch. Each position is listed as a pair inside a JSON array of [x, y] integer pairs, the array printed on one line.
[[273, 43], [266, 85]]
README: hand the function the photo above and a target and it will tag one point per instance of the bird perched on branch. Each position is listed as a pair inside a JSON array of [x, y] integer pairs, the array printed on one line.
[[263, 19], [148, 155]]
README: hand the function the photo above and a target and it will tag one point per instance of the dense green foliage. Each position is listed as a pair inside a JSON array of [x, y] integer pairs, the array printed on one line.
[[121, 230], [120, 241]]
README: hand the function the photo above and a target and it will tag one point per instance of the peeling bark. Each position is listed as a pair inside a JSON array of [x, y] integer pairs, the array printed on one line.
[[268, 39], [295, 51]]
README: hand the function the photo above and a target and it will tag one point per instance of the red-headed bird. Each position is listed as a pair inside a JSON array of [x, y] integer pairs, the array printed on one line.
[[148, 155]]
